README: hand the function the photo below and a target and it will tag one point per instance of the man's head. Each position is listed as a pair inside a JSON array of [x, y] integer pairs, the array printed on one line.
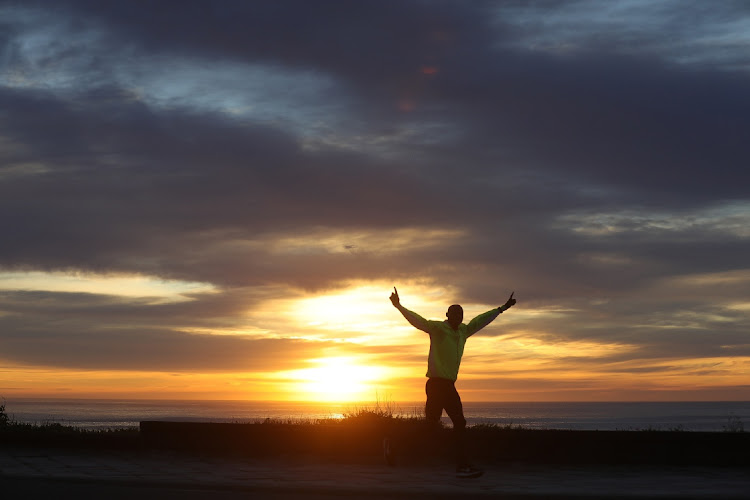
[[455, 315]]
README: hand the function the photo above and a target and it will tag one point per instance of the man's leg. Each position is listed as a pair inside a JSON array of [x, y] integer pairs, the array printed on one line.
[[455, 411], [433, 410]]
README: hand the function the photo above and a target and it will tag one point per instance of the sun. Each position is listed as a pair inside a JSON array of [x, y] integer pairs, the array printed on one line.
[[337, 379]]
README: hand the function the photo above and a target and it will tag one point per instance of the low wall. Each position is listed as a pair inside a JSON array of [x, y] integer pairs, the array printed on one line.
[[413, 442]]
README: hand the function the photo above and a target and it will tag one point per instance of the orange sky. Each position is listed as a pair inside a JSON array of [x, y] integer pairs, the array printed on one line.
[[369, 352]]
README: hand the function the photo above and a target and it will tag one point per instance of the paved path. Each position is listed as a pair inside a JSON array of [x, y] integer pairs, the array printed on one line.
[[85, 473]]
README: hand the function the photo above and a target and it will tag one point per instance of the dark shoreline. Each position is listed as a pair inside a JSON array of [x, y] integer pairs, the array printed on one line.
[[362, 438], [488, 443]]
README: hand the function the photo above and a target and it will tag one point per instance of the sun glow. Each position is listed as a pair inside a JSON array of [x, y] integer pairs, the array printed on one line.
[[361, 308], [337, 379]]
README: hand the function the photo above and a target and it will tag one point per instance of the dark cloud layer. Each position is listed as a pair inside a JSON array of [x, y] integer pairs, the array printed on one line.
[[93, 332], [597, 168]]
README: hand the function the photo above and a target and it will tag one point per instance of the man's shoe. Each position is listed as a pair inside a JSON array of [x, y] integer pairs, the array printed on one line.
[[468, 471]]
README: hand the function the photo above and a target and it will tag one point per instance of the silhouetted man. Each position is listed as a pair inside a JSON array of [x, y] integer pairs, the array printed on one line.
[[447, 340]]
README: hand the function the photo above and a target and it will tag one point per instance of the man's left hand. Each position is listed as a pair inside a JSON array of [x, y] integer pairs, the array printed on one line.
[[510, 303]]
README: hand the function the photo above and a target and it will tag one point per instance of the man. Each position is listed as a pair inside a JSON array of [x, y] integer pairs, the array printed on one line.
[[447, 340]]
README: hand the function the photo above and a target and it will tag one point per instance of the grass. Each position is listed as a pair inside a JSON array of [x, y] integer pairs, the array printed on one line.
[[4, 419], [383, 410], [734, 424], [56, 434]]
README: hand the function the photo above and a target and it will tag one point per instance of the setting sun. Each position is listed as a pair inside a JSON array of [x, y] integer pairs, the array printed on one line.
[[337, 379]]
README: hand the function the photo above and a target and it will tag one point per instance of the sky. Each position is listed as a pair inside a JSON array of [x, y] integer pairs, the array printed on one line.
[[214, 200]]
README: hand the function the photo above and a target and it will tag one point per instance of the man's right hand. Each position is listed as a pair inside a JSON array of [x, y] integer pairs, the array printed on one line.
[[394, 298]]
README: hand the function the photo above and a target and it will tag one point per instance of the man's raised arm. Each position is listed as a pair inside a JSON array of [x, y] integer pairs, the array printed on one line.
[[485, 319], [415, 319]]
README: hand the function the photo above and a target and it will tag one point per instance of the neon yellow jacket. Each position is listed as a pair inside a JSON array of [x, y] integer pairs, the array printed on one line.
[[447, 344]]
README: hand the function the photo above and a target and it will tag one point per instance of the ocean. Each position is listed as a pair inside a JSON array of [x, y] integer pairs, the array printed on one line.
[[117, 414]]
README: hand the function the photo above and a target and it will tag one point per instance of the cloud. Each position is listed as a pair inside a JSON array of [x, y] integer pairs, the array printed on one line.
[[585, 160]]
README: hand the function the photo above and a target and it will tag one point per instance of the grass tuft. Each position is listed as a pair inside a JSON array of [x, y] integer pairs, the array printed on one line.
[[4, 419], [734, 424]]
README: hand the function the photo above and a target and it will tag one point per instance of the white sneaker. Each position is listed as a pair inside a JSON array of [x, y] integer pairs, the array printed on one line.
[[468, 471]]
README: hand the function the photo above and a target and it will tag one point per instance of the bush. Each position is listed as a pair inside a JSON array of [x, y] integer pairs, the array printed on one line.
[[734, 424], [4, 419]]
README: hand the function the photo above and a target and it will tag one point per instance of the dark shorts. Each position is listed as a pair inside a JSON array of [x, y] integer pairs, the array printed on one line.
[[442, 395]]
